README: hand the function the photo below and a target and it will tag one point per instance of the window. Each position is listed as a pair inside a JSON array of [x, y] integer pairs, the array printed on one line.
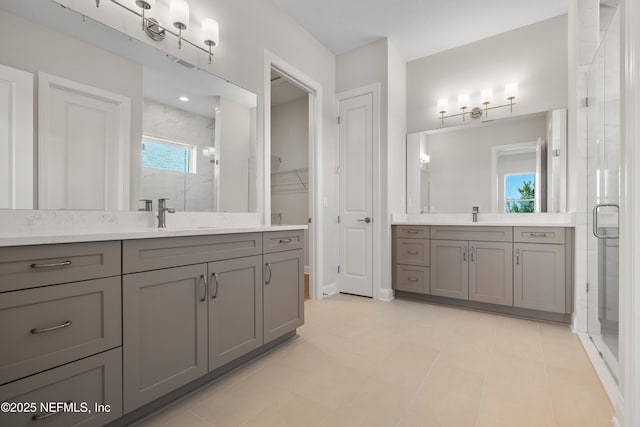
[[168, 155], [519, 193]]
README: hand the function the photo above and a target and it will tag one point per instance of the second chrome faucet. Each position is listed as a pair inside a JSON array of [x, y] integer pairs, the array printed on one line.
[[162, 212]]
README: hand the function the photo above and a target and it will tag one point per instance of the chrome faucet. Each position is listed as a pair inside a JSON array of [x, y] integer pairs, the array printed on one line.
[[475, 211], [162, 213]]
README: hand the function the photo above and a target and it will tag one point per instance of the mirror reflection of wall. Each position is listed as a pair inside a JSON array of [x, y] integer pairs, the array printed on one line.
[[451, 170]]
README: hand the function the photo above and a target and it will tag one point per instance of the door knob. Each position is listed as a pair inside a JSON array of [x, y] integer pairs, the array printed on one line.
[[366, 220]]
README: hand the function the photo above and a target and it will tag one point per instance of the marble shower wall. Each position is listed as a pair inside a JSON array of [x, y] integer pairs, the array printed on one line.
[[188, 192]]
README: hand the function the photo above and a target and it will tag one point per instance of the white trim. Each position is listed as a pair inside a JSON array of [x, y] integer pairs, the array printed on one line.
[[386, 295], [17, 161], [329, 290], [379, 223], [316, 176], [609, 383], [629, 415]]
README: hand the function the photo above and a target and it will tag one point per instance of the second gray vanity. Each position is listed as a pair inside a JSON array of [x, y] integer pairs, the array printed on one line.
[[522, 270]]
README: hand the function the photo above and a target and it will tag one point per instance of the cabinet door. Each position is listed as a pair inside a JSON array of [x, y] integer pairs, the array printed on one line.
[[539, 277], [235, 309], [491, 272], [164, 331], [283, 293], [450, 269]]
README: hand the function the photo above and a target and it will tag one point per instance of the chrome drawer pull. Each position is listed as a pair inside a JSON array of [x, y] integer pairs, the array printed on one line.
[[413, 279], [413, 231], [517, 256], [285, 240], [41, 416], [537, 234], [52, 265], [203, 280], [412, 252], [53, 328], [268, 266], [214, 276]]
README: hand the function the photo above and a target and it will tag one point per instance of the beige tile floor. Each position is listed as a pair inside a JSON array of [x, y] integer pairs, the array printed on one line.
[[359, 362]]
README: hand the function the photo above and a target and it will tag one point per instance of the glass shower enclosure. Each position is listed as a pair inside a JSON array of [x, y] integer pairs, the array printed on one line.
[[603, 192]]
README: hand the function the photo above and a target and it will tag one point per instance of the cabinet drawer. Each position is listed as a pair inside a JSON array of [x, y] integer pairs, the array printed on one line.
[[479, 233], [47, 327], [25, 267], [154, 254], [412, 251], [277, 241], [412, 231], [85, 383], [412, 279], [539, 235]]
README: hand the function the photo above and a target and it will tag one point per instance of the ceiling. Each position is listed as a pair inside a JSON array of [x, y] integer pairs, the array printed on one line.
[[416, 28]]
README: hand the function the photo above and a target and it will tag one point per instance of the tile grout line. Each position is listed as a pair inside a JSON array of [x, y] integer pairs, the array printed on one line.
[[546, 371], [484, 382]]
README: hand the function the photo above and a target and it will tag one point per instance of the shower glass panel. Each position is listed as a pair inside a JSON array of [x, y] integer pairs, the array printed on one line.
[[603, 194]]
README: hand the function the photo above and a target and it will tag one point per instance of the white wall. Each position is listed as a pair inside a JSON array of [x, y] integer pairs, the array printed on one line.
[[380, 62], [535, 56], [233, 142], [34, 48], [460, 167], [290, 142]]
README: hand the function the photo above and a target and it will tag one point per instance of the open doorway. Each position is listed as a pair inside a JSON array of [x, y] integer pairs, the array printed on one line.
[[290, 182]]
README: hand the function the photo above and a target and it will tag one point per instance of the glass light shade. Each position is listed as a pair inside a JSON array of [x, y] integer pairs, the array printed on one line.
[[511, 90], [210, 32], [425, 158], [486, 96], [463, 101], [443, 105], [179, 13]]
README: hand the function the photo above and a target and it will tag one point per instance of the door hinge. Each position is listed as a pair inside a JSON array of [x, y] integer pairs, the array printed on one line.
[[309, 220], [338, 219], [338, 170], [338, 119], [587, 287], [586, 102], [338, 269]]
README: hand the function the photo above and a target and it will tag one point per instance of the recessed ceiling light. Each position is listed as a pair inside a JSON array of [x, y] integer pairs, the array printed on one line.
[[183, 99]]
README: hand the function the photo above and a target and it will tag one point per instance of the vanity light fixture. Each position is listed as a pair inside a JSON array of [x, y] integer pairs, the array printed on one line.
[[145, 5], [179, 17], [179, 14], [486, 98], [211, 34]]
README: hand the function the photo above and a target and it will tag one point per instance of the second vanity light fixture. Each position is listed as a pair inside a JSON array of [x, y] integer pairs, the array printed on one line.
[[179, 17], [486, 99]]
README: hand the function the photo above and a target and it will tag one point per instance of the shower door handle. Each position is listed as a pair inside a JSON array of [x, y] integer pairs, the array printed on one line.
[[596, 212]]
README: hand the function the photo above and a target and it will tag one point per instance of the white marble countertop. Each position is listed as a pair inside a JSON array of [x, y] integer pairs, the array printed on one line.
[[39, 238], [562, 219]]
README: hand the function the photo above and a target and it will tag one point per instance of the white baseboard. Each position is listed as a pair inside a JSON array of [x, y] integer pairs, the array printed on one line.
[[329, 290], [609, 383], [385, 294], [615, 422]]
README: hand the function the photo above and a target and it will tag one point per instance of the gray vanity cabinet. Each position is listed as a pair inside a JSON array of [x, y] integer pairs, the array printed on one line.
[[283, 293], [539, 277], [165, 331], [411, 251], [450, 268], [491, 272], [235, 309]]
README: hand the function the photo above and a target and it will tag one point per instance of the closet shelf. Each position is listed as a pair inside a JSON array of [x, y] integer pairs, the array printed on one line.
[[290, 181]]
